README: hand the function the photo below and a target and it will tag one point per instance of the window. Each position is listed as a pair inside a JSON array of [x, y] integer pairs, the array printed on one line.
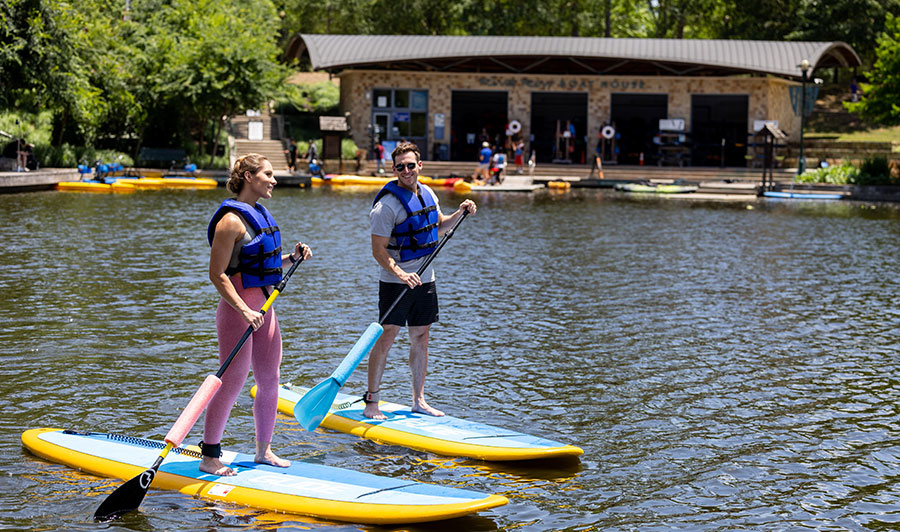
[[403, 113], [382, 98]]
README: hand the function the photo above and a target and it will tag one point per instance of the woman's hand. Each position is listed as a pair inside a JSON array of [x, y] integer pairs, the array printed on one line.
[[252, 317]]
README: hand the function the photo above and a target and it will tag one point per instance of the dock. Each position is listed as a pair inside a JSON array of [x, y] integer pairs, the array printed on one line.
[[722, 184]]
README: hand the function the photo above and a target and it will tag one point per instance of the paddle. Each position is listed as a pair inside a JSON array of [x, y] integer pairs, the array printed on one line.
[[312, 408], [129, 495]]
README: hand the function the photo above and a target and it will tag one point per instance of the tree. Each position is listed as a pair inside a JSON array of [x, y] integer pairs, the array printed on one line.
[[881, 95], [856, 22], [221, 60]]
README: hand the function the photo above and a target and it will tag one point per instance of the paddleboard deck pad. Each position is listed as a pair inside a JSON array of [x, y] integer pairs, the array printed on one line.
[[446, 435], [321, 491]]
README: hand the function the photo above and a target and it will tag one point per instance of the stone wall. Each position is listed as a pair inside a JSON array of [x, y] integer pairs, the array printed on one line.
[[769, 97]]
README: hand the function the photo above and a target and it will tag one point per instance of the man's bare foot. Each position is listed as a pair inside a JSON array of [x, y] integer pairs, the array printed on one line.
[[372, 411], [269, 458], [214, 466], [423, 408]]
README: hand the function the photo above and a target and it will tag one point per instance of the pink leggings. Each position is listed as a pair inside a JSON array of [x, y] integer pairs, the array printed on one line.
[[262, 351]]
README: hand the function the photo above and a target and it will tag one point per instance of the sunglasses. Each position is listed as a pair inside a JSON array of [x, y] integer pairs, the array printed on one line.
[[407, 166]]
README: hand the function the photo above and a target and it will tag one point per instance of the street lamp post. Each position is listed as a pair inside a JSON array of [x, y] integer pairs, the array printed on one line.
[[804, 70]]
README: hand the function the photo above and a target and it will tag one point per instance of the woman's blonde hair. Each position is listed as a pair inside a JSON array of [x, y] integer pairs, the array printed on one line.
[[252, 162]]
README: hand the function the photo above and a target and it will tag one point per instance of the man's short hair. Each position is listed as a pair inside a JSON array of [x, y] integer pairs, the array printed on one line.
[[405, 147]]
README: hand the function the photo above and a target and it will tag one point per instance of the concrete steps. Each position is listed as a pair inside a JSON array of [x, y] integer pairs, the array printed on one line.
[[272, 149]]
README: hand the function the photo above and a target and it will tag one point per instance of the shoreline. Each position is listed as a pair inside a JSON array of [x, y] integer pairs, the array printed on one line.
[[714, 183]]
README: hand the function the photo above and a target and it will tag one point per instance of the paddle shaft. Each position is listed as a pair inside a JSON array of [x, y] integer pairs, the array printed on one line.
[[128, 496], [312, 408], [424, 266]]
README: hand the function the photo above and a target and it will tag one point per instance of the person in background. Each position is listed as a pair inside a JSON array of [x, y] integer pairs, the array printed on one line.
[[498, 165], [519, 153], [245, 261], [292, 155], [312, 153], [484, 162], [406, 222], [379, 157]]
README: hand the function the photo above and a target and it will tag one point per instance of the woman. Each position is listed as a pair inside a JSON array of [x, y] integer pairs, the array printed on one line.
[[244, 262]]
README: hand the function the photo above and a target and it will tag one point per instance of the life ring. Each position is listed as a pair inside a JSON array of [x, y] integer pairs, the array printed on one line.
[[608, 132], [515, 126]]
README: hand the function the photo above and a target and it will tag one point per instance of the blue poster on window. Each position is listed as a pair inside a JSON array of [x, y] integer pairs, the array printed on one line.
[[401, 117], [439, 126], [389, 146]]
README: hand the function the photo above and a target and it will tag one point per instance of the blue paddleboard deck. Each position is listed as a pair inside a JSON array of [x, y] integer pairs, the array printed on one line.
[[317, 490], [446, 435]]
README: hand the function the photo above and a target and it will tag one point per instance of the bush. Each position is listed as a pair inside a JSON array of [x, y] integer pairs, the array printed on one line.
[[875, 171], [348, 149], [832, 175], [68, 156]]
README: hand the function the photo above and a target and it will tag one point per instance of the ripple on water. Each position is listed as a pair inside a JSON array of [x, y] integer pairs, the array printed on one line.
[[722, 368]]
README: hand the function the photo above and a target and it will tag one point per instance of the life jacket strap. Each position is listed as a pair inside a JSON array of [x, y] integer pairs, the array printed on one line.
[[413, 246], [425, 229]]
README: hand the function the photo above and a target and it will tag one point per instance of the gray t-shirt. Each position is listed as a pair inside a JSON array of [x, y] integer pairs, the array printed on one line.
[[384, 216]]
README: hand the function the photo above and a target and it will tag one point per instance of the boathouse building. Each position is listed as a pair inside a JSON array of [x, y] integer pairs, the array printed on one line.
[[695, 102]]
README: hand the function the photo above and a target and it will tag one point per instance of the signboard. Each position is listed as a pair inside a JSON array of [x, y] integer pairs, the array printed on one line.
[[671, 124], [758, 125], [401, 117], [333, 123], [254, 130]]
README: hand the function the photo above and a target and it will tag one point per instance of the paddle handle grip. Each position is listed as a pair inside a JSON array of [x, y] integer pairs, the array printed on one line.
[[357, 353], [192, 411]]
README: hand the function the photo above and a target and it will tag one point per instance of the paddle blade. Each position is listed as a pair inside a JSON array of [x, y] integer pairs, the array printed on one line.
[[126, 498], [312, 408]]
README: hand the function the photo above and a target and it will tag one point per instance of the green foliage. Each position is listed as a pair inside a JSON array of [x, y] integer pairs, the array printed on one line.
[[33, 127], [857, 22], [882, 94], [68, 156], [875, 171], [160, 75], [36, 128], [349, 149], [321, 98], [842, 174]]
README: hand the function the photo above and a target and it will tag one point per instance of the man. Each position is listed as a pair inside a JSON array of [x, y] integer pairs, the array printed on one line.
[[484, 162], [406, 222]]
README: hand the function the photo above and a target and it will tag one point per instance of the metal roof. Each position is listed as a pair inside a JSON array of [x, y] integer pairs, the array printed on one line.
[[568, 55]]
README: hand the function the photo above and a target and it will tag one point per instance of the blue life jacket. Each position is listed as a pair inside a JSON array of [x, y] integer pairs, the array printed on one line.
[[259, 261], [417, 235]]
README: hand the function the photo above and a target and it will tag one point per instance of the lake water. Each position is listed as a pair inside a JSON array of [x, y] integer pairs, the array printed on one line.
[[724, 366]]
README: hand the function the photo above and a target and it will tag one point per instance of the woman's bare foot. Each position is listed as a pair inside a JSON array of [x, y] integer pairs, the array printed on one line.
[[264, 455], [270, 459], [423, 408], [214, 466]]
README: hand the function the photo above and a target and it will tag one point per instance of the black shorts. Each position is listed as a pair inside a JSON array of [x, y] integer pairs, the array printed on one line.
[[419, 305]]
